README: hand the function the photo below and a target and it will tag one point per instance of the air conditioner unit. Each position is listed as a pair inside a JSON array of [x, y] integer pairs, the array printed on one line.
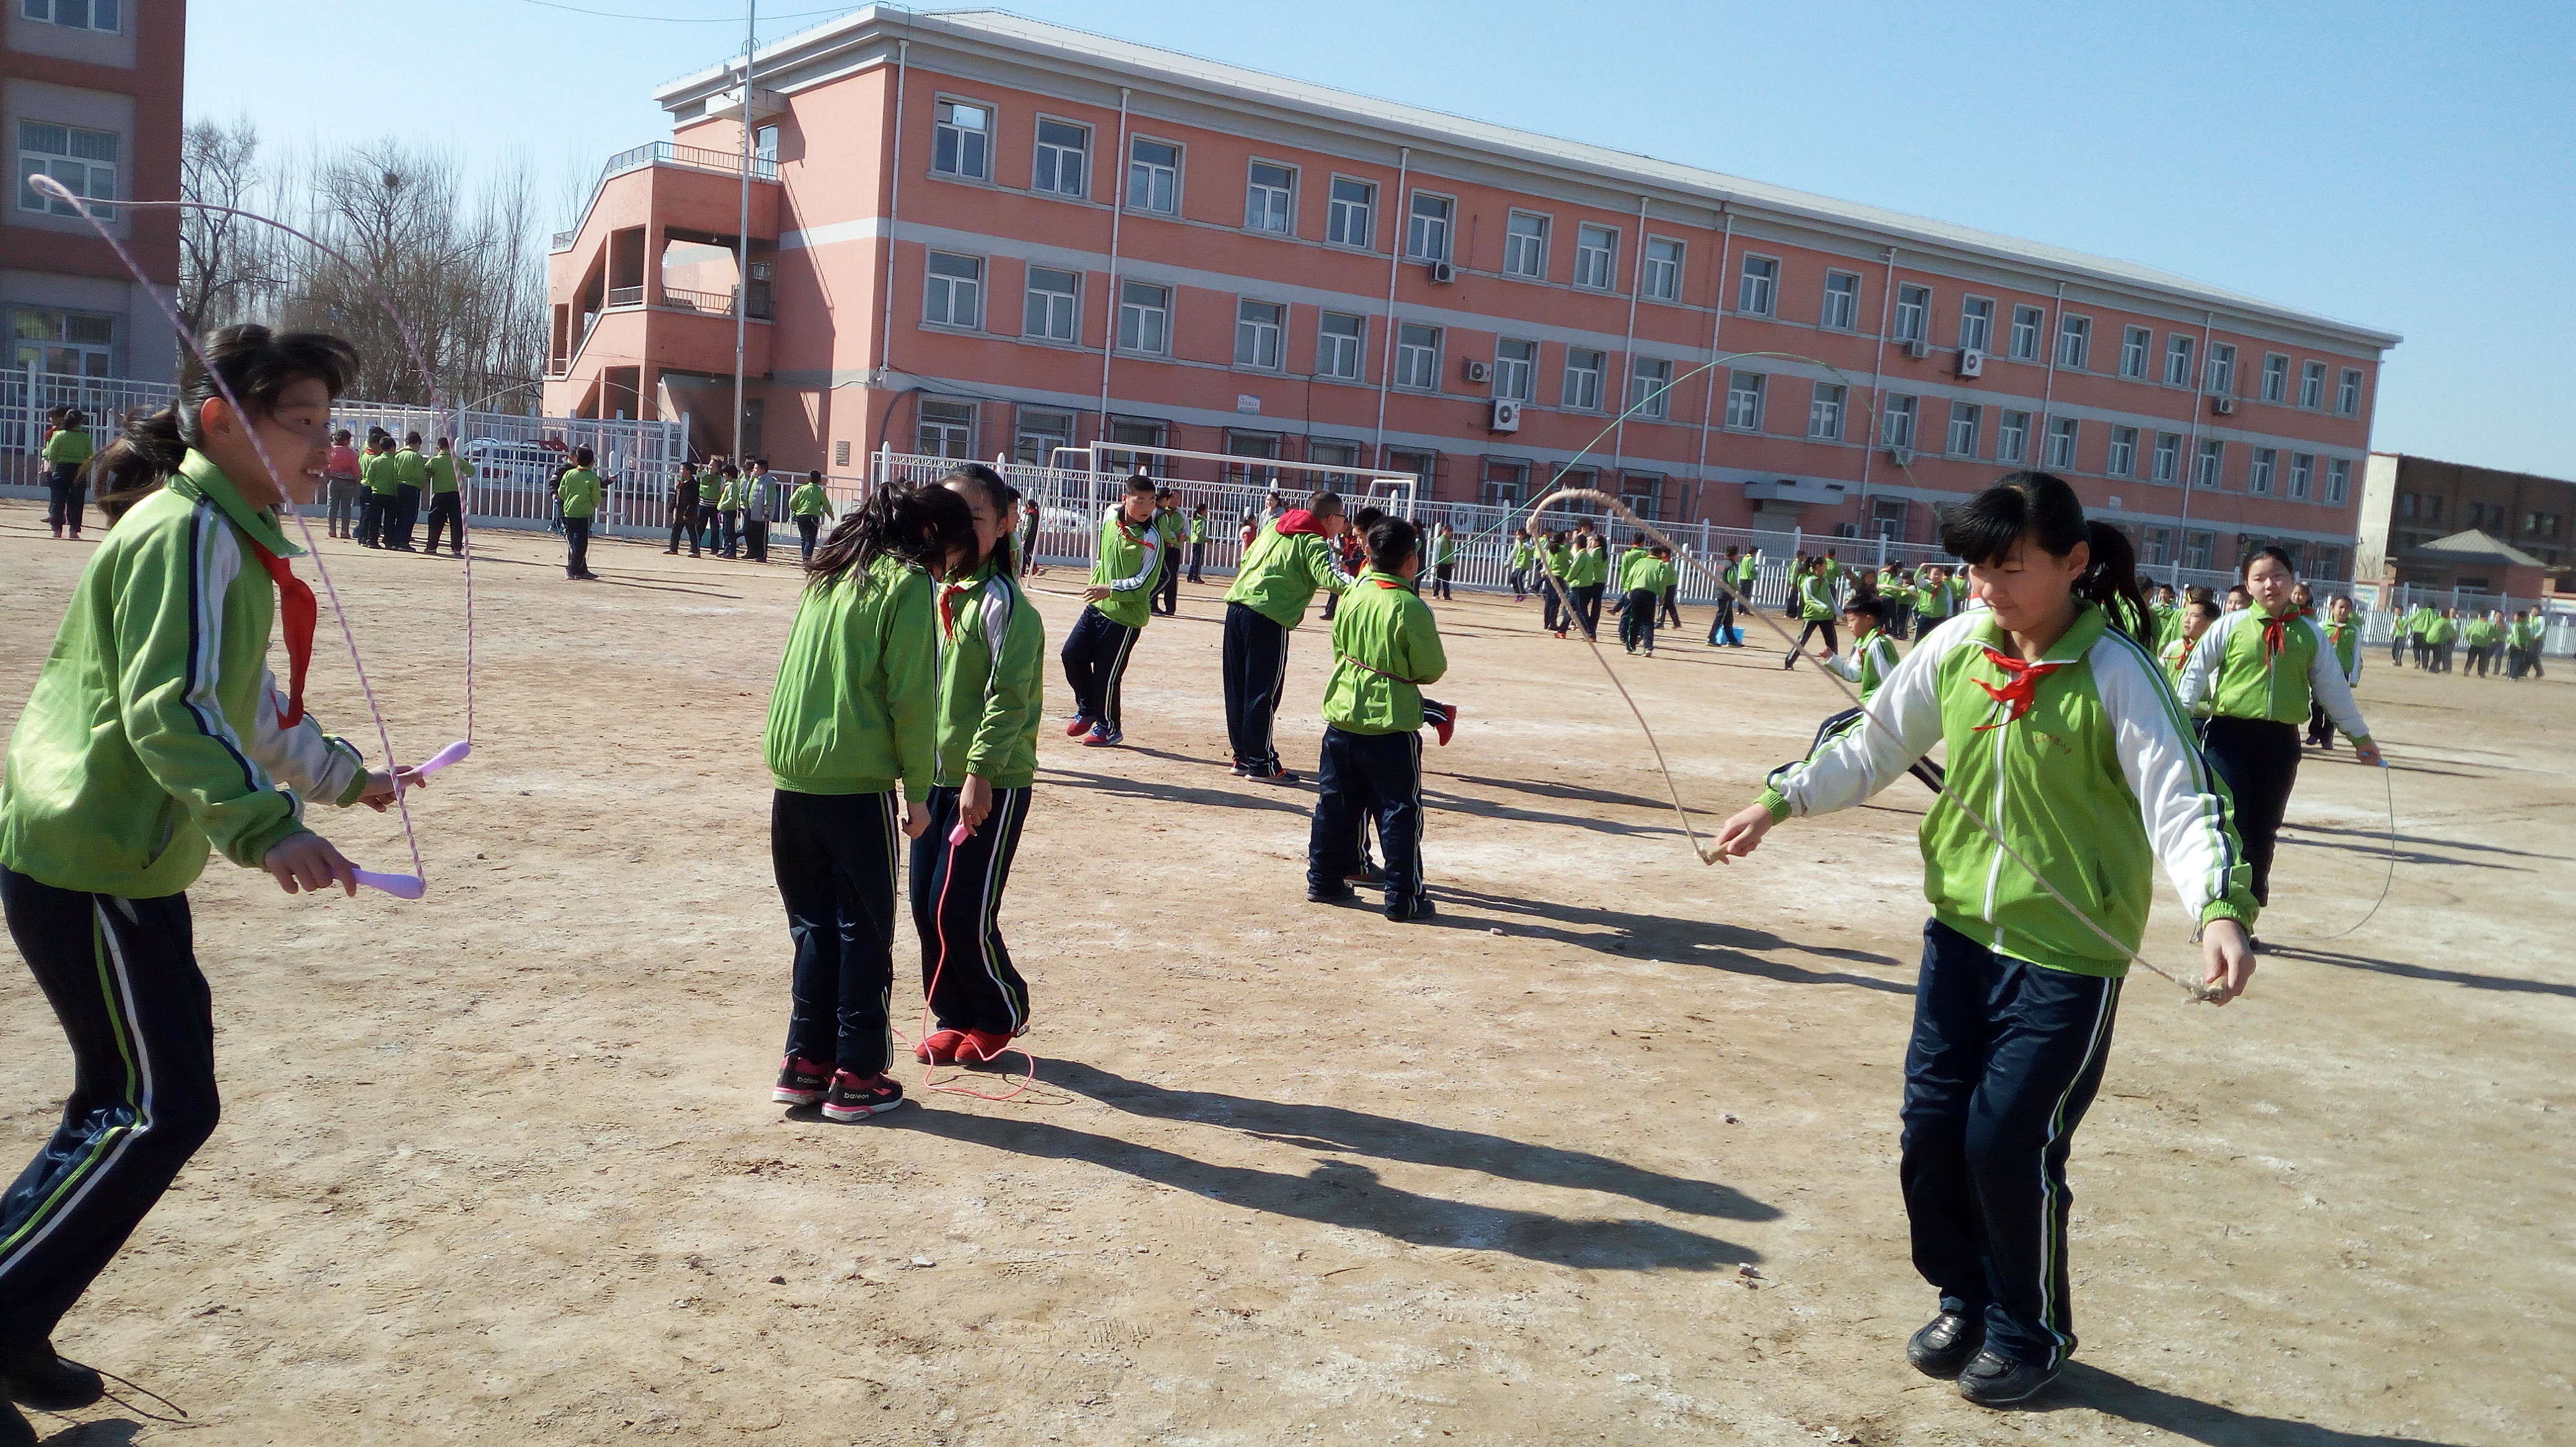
[[1507, 416], [1443, 272], [1918, 349], [1478, 371], [2223, 406], [1972, 363], [1901, 456]]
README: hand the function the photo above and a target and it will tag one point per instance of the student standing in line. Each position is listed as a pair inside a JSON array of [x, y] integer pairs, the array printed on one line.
[[340, 479], [729, 511], [1444, 561], [1279, 575], [1815, 600], [1721, 627], [756, 504], [66, 451], [854, 714], [1198, 543], [2419, 625], [376, 509], [411, 479], [2256, 671], [2522, 646], [1672, 594], [1589, 572], [154, 734], [1555, 589], [2057, 721], [2344, 636], [684, 513], [1349, 554], [1116, 609], [577, 491], [991, 658], [1171, 530], [1936, 598], [1386, 646], [2443, 633], [809, 505], [446, 507], [1642, 573]]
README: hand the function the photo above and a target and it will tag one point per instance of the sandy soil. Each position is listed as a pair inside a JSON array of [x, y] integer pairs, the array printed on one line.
[[501, 1166]]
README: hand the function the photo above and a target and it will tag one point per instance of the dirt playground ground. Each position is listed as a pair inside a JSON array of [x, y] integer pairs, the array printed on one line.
[[1605, 1154]]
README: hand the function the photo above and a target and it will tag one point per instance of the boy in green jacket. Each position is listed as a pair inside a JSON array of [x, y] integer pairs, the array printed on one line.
[[1278, 577], [446, 506], [809, 504], [1444, 561], [382, 476], [1644, 573], [1118, 603], [67, 450], [1172, 529], [1385, 647], [991, 658], [411, 479], [577, 491], [156, 732]]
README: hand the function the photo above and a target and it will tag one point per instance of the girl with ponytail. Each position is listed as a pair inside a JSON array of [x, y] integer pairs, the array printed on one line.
[[855, 712], [2062, 730], [155, 734]]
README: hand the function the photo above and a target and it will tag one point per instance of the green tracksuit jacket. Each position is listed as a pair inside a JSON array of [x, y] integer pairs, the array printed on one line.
[[579, 490], [410, 468], [991, 682], [2096, 782], [1586, 567], [71, 444], [809, 500], [1386, 645], [1815, 596], [1280, 573], [856, 709], [2345, 639], [380, 473], [1444, 549], [2233, 675], [1873, 658], [442, 472], [2442, 630], [153, 729], [1520, 555], [2421, 621], [1129, 563], [1558, 561]]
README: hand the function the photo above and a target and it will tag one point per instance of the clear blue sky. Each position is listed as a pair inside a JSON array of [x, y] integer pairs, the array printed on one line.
[[2404, 166]]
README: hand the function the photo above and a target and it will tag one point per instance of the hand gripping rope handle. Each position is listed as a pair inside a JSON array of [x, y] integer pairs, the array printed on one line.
[[401, 886]]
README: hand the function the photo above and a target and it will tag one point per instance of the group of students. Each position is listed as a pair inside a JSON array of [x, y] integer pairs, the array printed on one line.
[[66, 452], [2428, 635], [374, 492]]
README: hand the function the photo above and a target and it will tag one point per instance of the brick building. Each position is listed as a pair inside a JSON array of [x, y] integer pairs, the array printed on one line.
[[2447, 524], [974, 234]]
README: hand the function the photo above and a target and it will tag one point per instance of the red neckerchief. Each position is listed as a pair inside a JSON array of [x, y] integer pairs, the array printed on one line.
[[2275, 634], [2018, 695], [295, 603], [947, 606]]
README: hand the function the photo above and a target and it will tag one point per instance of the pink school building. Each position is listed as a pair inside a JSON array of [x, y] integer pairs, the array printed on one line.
[[977, 235]]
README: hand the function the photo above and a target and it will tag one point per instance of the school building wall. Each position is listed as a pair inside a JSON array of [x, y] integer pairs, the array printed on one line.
[[1759, 440]]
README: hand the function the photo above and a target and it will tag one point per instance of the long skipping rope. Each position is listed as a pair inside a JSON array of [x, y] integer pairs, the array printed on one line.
[[401, 886]]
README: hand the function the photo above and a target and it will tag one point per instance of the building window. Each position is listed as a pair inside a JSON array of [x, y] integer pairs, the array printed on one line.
[[2276, 378], [764, 142], [1825, 412], [2258, 472], [1334, 454], [2207, 468], [1515, 368], [2339, 482], [1525, 246], [962, 141], [1054, 301], [83, 161], [2123, 460], [1135, 434], [2348, 393], [2303, 471], [2134, 342], [1144, 317], [2025, 334], [2222, 369], [1417, 357], [2062, 432], [1663, 280], [947, 429], [1064, 158], [68, 344], [78, 14], [1263, 446], [1257, 325], [1267, 190], [1595, 249], [1753, 294], [2159, 549], [1506, 483], [2312, 385], [1353, 212], [1582, 379], [2012, 437], [1897, 428], [1650, 384], [1963, 428], [1040, 434], [1744, 400], [2178, 361], [2074, 341], [1337, 346], [1913, 305], [1642, 493], [1426, 236], [2432, 509], [1842, 301], [955, 294], [1976, 325], [2326, 564], [1154, 176], [2168, 467], [2196, 548]]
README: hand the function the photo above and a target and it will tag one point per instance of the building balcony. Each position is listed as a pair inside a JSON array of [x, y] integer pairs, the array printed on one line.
[[727, 164]]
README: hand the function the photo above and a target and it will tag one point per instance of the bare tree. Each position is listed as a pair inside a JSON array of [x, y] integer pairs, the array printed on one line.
[[224, 261]]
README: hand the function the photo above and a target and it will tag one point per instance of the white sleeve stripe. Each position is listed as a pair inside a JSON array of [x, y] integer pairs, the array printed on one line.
[[217, 563]]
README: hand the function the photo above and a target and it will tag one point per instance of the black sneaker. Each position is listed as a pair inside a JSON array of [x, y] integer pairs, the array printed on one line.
[[1402, 911], [1996, 1381], [800, 1082], [46, 1382], [1329, 893], [1271, 776], [856, 1097], [1943, 1346]]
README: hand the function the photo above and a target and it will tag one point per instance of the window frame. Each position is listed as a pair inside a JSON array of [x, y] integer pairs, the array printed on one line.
[[1747, 392], [2348, 393], [932, 278], [1406, 349], [1180, 160], [2181, 356], [1770, 283], [2165, 463], [2275, 384], [2259, 470], [1029, 290], [2312, 378], [2074, 335], [2218, 370], [51, 163], [1329, 345], [2137, 352], [1913, 318], [1448, 224], [1971, 416], [2303, 476], [1673, 270], [2064, 444], [1335, 209], [1119, 342], [2037, 333], [1985, 320], [2209, 465], [1288, 208], [2338, 480], [948, 101], [1831, 409], [1022, 432], [2122, 458], [1901, 407], [2012, 436], [1850, 299], [90, 27], [1278, 334], [1586, 398], [1512, 243], [1657, 405], [921, 420], [1609, 282], [1526, 366], [1039, 146]]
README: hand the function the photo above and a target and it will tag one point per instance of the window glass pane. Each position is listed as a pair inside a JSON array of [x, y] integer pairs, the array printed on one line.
[[1256, 334], [1337, 351], [1976, 324], [1354, 203], [960, 144], [1842, 301], [1582, 379], [1744, 400], [1525, 245], [1663, 279], [1753, 294], [1426, 237], [1154, 176], [1595, 254], [1265, 197], [1062, 153], [1825, 412], [1514, 363], [1912, 302]]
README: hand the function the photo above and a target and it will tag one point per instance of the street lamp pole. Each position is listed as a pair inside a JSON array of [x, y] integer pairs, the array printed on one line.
[[742, 231]]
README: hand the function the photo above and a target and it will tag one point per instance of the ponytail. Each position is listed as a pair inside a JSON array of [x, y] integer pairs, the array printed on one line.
[[2111, 581], [918, 525], [2041, 508], [144, 455]]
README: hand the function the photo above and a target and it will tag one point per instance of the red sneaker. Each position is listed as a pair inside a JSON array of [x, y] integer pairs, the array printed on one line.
[[800, 1082], [981, 1046], [1078, 727], [1444, 722], [939, 1047]]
